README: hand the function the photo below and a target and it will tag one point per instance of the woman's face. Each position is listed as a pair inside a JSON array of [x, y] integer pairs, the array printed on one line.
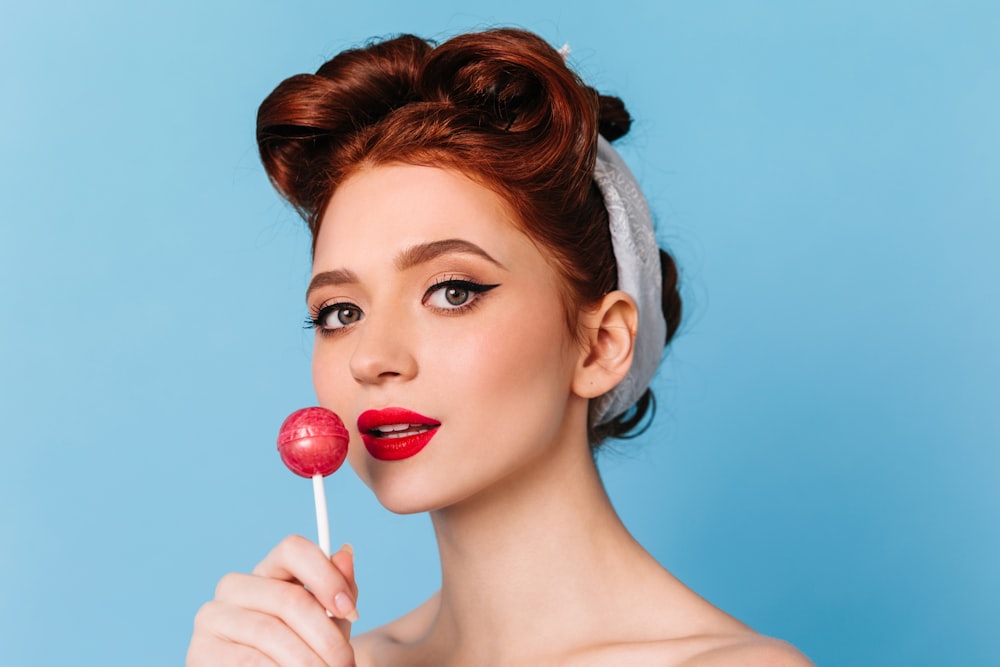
[[440, 326]]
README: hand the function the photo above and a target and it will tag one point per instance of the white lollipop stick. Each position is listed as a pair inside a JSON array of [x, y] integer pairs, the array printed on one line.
[[322, 519]]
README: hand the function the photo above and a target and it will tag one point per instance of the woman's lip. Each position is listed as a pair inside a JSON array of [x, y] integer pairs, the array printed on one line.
[[395, 448], [371, 419]]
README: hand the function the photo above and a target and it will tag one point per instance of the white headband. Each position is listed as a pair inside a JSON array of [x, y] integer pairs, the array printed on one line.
[[638, 258]]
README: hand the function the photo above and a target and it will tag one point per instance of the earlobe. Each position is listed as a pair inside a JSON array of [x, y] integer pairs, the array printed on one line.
[[606, 355]]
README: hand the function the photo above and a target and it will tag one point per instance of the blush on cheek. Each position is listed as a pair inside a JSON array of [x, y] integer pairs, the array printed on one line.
[[330, 376], [540, 346]]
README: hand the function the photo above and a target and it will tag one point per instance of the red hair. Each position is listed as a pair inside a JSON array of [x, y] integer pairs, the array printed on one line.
[[500, 107]]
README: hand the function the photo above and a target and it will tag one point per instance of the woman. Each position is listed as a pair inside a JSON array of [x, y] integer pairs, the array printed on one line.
[[490, 305]]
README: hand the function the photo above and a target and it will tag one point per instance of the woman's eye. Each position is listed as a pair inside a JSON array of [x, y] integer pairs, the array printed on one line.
[[454, 294], [449, 297], [336, 316]]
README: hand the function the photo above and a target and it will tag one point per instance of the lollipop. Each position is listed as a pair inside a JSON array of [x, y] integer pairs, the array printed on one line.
[[313, 443]]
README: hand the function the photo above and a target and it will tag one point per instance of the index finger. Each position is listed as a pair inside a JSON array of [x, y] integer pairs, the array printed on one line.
[[298, 560]]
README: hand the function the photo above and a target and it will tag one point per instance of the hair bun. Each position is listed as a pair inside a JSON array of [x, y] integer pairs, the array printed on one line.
[[613, 120], [516, 79], [308, 115], [672, 305]]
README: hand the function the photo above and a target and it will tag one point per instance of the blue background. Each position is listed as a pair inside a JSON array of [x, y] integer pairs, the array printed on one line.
[[825, 457]]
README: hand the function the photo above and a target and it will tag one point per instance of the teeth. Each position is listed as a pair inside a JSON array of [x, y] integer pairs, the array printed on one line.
[[398, 430], [389, 428]]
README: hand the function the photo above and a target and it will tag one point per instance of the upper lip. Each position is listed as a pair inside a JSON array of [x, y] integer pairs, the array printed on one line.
[[369, 420]]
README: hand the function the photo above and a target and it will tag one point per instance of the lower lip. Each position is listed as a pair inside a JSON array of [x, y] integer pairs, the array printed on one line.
[[395, 449]]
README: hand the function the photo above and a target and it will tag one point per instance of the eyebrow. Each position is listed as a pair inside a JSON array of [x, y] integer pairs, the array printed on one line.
[[407, 259], [425, 252], [336, 277]]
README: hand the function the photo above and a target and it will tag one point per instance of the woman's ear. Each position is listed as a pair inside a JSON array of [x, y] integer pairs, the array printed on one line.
[[608, 345]]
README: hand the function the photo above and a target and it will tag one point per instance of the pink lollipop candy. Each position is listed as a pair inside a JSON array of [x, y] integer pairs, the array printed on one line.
[[313, 443]]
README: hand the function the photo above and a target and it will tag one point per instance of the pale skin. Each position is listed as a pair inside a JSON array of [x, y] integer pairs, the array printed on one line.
[[537, 567]]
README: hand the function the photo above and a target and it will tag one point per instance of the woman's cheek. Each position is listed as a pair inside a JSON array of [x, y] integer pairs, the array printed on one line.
[[327, 376], [332, 383], [356, 458]]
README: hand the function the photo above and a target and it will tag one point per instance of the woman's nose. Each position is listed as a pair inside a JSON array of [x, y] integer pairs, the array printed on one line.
[[381, 353]]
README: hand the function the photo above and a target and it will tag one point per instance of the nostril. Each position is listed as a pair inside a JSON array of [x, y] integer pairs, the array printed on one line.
[[374, 368], [380, 353]]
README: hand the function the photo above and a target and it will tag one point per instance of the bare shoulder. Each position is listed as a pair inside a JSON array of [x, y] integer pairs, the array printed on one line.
[[364, 648], [742, 650], [750, 651], [370, 648]]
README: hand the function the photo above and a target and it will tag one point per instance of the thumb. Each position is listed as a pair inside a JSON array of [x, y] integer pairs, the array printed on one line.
[[343, 560]]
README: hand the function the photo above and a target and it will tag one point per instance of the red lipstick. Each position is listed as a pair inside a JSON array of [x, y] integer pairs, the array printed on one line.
[[392, 434]]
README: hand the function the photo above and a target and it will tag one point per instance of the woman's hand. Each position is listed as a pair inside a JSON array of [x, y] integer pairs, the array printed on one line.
[[277, 615]]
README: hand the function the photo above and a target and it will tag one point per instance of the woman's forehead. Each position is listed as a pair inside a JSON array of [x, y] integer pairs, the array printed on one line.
[[393, 208]]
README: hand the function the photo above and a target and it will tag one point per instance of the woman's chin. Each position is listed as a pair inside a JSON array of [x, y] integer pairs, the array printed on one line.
[[401, 498]]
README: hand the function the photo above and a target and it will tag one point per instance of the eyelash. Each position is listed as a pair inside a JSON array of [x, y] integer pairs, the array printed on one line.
[[475, 289], [319, 314]]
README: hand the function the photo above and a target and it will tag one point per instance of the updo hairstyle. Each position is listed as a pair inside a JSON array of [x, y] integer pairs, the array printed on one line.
[[500, 107]]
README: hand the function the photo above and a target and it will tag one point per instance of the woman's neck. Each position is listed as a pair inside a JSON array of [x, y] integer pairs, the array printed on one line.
[[534, 564]]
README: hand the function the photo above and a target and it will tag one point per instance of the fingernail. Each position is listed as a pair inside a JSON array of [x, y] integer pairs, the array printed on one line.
[[348, 548], [346, 607]]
